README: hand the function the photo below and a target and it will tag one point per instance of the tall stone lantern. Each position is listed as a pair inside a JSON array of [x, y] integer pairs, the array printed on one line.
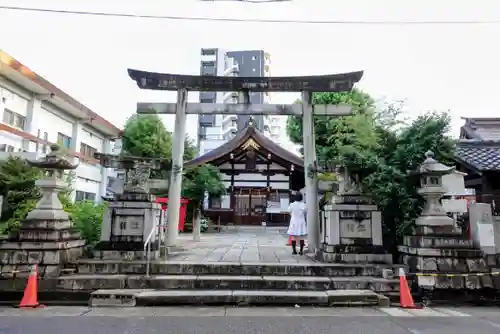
[[436, 248], [45, 237], [433, 218]]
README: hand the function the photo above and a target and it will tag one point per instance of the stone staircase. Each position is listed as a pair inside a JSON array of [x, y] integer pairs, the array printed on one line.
[[124, 283]]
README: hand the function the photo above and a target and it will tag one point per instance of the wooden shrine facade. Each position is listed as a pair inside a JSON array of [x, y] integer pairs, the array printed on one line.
[[259, 176]]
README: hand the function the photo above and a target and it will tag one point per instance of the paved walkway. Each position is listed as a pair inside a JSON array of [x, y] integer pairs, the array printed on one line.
[[239, 244], [231, 320]]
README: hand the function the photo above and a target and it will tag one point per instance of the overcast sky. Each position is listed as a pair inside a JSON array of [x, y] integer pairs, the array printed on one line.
[[439, 67]]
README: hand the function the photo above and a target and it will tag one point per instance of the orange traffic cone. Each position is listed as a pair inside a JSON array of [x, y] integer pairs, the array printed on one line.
[[30, 297], [405, 298], [289, 241]]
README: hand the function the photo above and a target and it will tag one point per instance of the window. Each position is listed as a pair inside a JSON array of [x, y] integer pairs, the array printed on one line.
[[46, 138], [208, 52], [84, 196], [63, 140], [215, 203], [274, 197], [254, 58], [37, 144], [87, 150], [14, 119], [6, 148]]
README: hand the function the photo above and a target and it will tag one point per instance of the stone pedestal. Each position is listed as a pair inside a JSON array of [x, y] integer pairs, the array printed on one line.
[[128, 221], [437, 253], [45, 237], [352, 232], [131, 218]]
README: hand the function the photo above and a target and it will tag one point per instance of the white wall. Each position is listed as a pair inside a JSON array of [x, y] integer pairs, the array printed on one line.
[[43, 117]]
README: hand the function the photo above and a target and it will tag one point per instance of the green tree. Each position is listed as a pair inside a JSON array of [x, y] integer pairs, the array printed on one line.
[[17, 186], [382, 148], [146, 136], [327, 127], [198, 181]]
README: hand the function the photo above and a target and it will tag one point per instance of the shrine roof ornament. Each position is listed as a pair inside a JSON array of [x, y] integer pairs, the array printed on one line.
[[316, 83], [250, 143], [249, 137]]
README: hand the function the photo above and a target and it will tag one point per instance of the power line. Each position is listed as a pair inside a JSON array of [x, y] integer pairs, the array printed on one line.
[[223, 19]]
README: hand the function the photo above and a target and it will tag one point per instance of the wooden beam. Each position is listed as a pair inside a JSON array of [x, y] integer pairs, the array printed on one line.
[[243, 109]]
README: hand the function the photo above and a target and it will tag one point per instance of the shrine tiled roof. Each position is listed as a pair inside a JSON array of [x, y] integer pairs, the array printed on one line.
[[250, 132], [481, 155]]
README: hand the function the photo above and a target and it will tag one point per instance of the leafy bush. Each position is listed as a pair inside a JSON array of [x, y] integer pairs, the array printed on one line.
[[87, 219]]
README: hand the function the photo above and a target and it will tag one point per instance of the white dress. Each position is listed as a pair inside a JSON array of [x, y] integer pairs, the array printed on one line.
[[298, 226]]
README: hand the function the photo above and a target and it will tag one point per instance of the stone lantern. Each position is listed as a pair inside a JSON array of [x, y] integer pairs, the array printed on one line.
[[45, 237], [431, 174], [53, 166], [436, 248]]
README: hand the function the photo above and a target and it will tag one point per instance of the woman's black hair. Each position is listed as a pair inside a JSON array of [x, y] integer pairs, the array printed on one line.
[[297, 197]]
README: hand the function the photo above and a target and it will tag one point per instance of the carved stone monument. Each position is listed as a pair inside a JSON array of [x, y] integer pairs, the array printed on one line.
[[352, 231], [132, 217], [45, 237], [437, 249]]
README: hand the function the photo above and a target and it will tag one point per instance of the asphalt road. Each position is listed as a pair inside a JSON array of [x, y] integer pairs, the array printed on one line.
[[80, 320]]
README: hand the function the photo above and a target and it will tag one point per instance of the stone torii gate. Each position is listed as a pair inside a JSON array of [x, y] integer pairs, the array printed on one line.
[[244, 86]]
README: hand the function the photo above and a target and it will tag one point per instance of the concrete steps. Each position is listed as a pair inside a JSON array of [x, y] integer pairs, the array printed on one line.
[[228, 282], [133, 297], [231, 268], [123, 283]]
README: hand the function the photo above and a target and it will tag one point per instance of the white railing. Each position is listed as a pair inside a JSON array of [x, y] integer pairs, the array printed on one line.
[[147, 249]]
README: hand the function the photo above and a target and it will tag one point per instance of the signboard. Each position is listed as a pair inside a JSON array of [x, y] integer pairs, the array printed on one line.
[[354, 229], [321, 83]]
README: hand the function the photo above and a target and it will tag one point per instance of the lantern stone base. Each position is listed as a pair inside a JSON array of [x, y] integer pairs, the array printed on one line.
[[445, 262], [16, 257]]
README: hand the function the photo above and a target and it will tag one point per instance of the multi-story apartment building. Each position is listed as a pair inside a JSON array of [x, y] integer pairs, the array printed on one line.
[[35, 114], [214, 130]]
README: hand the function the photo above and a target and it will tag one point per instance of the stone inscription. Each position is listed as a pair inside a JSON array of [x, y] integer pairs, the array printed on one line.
[[354, 215], [448, 242], [354, 229]]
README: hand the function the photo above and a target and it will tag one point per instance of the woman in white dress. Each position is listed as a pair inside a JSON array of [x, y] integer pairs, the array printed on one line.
[[298, 226]]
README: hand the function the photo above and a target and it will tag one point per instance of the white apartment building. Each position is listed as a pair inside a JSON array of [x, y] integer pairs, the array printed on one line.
[[215, 130], [35, 114]]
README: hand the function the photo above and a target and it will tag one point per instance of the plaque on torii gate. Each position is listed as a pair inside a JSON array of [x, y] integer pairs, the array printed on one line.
[[244, 85]]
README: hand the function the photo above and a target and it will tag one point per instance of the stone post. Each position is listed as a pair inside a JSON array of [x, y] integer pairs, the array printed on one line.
[[197, 226], [174, 193], [311, 180]]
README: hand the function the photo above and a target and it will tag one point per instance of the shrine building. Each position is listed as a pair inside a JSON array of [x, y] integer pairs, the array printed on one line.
[[259, 175]]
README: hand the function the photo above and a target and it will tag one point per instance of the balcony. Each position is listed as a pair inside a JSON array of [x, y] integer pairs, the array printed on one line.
[[228, 118], [230, 128], [231, 97], [231, 71]]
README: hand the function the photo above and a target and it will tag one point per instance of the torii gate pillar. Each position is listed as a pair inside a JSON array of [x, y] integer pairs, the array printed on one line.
[[174, 191], [311, 178]]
